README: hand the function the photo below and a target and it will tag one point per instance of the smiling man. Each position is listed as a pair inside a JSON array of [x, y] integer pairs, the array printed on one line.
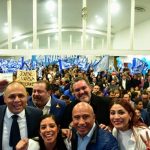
[[83, 93], [86, 133], [16, 110]]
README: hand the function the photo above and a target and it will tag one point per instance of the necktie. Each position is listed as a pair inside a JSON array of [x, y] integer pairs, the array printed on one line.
[[14, 132]]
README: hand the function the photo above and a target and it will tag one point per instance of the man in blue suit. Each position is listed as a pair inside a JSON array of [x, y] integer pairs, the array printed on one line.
[[86, 133], [15, 97], [42, 98]]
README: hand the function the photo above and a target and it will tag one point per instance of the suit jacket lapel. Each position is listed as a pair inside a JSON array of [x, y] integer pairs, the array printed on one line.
[[2, 114], [53, 103], [28, 121]]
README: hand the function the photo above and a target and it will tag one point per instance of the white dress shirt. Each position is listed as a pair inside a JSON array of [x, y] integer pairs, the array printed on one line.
[[47, 107], [83, 141], [124, 84], [7, 126]]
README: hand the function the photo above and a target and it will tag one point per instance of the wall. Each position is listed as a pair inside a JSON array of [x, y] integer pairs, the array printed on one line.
[[142, 38]]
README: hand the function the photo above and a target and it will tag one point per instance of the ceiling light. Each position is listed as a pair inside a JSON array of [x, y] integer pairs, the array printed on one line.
[[115, 7], [51, 6]]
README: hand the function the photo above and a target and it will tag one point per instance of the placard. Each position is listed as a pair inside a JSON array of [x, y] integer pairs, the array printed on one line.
[[27, 77]]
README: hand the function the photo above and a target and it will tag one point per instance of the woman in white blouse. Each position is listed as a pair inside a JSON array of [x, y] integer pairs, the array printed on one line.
[[131, 134]]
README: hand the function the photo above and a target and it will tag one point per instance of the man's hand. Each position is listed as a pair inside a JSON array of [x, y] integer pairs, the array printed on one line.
[[106, 128], [66, 133], [22, 144]]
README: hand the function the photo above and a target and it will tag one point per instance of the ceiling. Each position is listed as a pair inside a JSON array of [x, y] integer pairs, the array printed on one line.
[[71, 16]]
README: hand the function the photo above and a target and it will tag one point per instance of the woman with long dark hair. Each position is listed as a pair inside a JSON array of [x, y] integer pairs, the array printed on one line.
[[50, 137]]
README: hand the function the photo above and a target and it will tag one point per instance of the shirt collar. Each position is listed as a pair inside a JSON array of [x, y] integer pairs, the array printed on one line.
[[90, 133], [48, 104], [10, 114]]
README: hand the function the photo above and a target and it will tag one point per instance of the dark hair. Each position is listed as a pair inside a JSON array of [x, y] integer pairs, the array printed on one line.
[[138, 100], [128, 107], [45, 82], [59, 140], [79, 79]]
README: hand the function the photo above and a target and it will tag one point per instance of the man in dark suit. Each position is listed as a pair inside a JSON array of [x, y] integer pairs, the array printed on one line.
[[3, 84], [147, 83], [86, 133], [125, 83], [42, 98], [82, 91], [15, 97]]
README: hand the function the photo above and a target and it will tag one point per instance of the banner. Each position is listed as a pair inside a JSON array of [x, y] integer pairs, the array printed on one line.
[[27, 77], [6, 76]]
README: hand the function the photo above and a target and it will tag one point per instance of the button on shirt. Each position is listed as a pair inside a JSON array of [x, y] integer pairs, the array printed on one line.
[[7, 126], [83, 141]]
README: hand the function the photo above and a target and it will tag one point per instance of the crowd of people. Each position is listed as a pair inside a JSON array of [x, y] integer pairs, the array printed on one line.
[[107, 111]]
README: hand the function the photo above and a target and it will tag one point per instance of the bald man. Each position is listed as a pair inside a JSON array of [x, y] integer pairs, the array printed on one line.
[[15, 97], [86, 133]]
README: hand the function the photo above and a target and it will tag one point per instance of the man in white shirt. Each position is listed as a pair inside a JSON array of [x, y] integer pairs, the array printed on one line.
[[43, 99], [15, 97]]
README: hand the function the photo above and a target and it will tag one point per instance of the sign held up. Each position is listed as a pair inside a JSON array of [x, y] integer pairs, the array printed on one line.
[[27, 77]]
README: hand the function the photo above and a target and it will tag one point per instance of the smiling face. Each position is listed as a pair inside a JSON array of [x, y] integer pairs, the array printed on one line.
[[82, 91], [119, 117], [15, 97], [40, 95], [83, 118], [49, 130]]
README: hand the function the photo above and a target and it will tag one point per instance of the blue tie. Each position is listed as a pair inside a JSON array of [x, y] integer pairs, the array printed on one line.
[[14, 132]]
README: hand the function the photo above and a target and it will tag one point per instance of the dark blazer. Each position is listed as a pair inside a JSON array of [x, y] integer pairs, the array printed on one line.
[[100, 140], [2, 100], [146, 85], [100, 106], [57, 107], [32, 117], [128, 85]]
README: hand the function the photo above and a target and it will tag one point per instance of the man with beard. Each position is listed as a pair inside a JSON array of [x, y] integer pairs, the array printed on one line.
[[43, 99], [82, 91]]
